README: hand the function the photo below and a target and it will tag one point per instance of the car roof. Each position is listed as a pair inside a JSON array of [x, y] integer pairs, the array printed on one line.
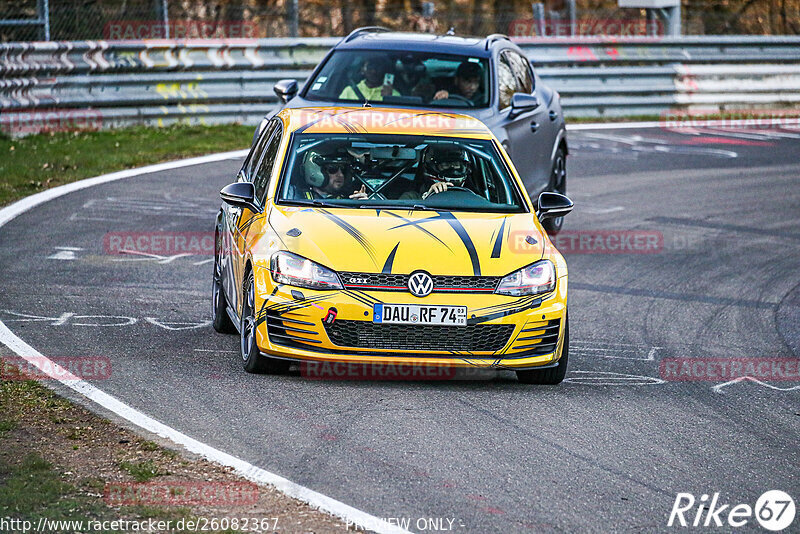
[[375, 120], [364, 39]]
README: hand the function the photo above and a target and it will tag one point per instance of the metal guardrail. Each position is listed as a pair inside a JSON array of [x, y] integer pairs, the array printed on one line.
[[109, 84]]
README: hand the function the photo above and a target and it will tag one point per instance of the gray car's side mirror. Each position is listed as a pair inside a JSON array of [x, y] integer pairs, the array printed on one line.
[[285, 89], [522, 102], [553, 205], [240, 195]]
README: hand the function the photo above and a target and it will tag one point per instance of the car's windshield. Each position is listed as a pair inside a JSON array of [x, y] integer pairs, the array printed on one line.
[[398, 171], [402, 78]]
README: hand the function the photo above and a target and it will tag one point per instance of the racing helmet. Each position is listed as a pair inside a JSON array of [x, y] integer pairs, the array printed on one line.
[[447, 162], [317, 167]]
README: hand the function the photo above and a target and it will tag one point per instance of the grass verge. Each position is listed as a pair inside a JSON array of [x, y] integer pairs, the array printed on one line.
[[61, 462], [35, 163], [105, 473]]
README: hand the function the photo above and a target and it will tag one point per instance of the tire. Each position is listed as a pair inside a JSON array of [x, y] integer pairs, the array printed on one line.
[[558, 184], [252, 359], [221, 321], [551, 375]]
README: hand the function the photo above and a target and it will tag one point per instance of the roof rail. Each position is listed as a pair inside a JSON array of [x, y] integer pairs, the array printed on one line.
[[495, 37], [365, 29]]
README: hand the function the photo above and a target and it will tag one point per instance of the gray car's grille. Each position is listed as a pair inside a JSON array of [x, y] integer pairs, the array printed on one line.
[[419, 338], [398, 282]]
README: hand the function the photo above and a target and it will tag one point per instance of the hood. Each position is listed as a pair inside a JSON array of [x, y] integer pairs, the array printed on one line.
[[485, 115], [402, 241]]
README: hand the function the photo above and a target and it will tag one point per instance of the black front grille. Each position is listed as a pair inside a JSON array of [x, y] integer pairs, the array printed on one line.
[[290, 331], [538, 339], [399, 282], [419, 338]]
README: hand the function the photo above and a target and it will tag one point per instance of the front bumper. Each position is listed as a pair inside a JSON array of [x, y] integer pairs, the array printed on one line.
[[501, 332]]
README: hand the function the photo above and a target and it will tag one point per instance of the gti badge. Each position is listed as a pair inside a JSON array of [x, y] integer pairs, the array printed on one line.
[[420, 284]]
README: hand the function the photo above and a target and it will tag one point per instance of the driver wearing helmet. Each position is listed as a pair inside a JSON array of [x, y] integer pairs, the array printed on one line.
[[327, 177], [444, 166]]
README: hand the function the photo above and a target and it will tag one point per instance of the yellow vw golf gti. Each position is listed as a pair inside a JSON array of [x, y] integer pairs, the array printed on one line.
[[389, 237]]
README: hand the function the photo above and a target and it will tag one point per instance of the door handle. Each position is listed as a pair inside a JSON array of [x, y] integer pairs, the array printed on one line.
[[553, 115], [534, 126]]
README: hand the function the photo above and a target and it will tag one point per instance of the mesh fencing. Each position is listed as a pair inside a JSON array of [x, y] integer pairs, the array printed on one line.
[[71, 20]]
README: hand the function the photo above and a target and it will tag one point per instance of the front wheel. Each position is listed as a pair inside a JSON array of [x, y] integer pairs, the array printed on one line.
[[551, 375], [558, 184], [221, 321], [252, 359]]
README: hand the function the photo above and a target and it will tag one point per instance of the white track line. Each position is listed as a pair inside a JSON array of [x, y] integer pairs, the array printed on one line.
[[681, 122], [245, 469], [614, 125], [17, 208]]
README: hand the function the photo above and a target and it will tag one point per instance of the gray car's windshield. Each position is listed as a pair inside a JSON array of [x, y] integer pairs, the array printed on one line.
[[402, 78], [398, 171]]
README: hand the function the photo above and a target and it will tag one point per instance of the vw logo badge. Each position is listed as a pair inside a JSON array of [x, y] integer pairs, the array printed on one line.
[[420, 284]]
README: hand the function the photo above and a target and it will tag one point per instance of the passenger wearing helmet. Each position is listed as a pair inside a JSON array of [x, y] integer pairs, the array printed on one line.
[[443, 166], [328, 177]]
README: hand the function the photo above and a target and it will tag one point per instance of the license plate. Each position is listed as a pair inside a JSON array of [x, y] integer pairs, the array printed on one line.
[[419, 314]]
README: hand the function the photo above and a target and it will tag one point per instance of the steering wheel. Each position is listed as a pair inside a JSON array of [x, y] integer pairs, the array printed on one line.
[[462, 98], [457, 98], [459, 188]]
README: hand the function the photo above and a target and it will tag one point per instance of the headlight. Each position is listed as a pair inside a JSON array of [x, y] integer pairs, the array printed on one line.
[[294, 270], [535, 279]]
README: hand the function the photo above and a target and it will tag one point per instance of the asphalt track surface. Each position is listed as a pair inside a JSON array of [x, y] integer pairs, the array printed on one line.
[[606, 450]]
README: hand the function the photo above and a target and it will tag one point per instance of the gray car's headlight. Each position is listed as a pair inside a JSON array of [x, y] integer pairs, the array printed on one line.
[[535, 279], [294, 270]]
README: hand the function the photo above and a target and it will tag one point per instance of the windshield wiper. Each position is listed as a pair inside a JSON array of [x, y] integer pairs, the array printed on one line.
[[316, 203], [399, 207]]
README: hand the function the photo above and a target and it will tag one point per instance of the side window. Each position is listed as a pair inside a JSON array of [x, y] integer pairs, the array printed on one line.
[[507, 84], [263, 173], [522, 71], [255, 154]]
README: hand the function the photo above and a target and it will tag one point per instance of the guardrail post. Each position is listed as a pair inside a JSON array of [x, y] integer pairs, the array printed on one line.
[[43, 6], [162, 11], [294, 17], [572, 13], [538, 16], [672, 16]]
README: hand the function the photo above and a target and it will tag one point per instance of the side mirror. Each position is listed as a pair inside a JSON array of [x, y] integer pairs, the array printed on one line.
[[552, 205], [241, 195], [285, 89], [522, 102]]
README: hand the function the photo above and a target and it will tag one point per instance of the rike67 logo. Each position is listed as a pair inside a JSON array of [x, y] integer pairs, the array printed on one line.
[[774, 510]]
